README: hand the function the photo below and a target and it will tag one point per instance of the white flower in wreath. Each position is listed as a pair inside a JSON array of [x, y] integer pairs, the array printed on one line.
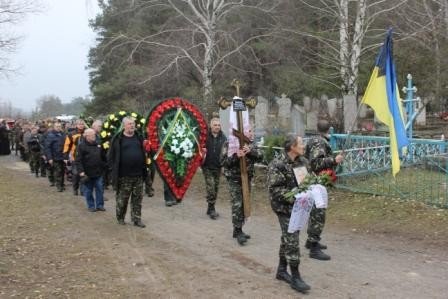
[[187, 154]]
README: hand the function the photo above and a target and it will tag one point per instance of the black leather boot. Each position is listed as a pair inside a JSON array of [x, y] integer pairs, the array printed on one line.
[[296, 280], [244, 234], [211, 212], [317, 253], [282, 272], [321, 246], [239, 235]]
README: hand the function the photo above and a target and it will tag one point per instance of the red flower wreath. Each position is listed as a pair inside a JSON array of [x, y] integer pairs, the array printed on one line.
[[176, 165]]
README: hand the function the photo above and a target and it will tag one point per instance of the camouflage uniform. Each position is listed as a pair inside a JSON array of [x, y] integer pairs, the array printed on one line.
[[211, 168], [129, 187], [49, 168], [281, 180], [54, 143], [149, 181], [34, 148], [320, 155], [211, 177], [42, 162], [232, 173], [126, 184]]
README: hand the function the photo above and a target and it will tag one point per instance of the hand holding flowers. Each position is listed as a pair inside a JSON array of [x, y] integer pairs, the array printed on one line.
[[323, 179]]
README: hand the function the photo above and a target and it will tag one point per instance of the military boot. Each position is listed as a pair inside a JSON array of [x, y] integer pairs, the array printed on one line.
[[282, 272], [317, 253], [239, 235], [321, 246], [244, 234], [296, 280], [211, 212]]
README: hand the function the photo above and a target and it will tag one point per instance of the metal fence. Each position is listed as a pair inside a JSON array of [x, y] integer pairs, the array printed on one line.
[[367, 168]]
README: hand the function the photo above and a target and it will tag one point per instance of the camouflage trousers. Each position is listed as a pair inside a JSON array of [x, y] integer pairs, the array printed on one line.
[[316, 224], [211, 177], [59, 174], [129, 187], [35, 162], [149, 180], [236, 194], [289, 243]]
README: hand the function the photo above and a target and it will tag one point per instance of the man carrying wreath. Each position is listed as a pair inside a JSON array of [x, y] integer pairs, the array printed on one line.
[[127, 162]]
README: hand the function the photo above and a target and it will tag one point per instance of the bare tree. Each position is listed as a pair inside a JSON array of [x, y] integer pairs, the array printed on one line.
[[49, 106], [353, 20], [425, 23], [197, 35], [12, 12]]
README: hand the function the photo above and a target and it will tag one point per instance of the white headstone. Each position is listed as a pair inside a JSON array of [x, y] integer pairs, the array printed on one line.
[[421, 117], [307, 104], [224, 116], [332, 107], [311, 121], [284, 111], [298, 120], [261, 113], [350, 111]]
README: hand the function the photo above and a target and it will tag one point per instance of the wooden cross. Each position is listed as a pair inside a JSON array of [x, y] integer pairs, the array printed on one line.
[[239, 105]]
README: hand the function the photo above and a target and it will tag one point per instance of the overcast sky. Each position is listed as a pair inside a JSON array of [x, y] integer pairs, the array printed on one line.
[[53, 54]]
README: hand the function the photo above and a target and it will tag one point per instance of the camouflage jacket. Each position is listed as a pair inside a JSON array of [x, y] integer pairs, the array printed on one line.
[[319, 154], [281, 180], [232, 164]]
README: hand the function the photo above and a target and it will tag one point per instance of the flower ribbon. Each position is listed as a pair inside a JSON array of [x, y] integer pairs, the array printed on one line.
[[170, 130]]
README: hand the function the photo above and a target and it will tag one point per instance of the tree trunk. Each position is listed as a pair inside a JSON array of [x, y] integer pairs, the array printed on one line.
[[355, 56], [344, 43]]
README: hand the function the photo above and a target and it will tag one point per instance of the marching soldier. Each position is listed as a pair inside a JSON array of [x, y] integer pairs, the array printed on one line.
[[319, 154], [211, 168], [232, 173]]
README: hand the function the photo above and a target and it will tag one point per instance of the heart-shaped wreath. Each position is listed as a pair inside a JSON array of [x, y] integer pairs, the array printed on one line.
[[177, 132], [112, 125]]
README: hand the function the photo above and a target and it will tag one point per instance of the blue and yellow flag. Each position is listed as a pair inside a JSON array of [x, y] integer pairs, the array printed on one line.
[[383, 97]]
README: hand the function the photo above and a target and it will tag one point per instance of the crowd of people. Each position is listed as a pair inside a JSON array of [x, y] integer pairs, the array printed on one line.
[[61, 151]]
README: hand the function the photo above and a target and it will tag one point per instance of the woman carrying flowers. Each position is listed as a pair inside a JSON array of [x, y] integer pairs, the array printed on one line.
[[281, 180]]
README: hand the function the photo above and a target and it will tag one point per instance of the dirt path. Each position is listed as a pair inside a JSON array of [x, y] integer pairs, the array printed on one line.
[[51, 247]]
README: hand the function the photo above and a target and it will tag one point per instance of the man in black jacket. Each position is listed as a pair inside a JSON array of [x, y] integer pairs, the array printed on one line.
[[90, 162], [127, 161], [54, 144], [211, 168]]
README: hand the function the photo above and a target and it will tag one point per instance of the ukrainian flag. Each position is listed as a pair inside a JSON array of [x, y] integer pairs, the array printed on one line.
[[383, 97]]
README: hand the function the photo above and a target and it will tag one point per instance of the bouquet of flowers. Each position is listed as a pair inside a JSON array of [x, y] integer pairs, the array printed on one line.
[[323, 179], [180, 143], [112, 125]]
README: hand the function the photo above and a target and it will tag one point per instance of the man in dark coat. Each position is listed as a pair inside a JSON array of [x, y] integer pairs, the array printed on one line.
[[211, 168], [127, 161], [54, 145], [90, 162], [5, 148]]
